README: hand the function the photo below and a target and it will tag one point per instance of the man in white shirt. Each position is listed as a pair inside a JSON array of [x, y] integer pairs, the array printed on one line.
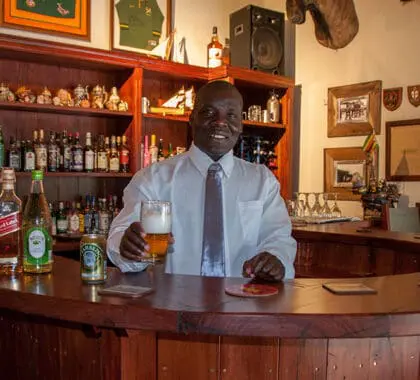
[[256, 228]]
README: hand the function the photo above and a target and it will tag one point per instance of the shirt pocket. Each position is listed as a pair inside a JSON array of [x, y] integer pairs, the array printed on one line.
[[250, 215]]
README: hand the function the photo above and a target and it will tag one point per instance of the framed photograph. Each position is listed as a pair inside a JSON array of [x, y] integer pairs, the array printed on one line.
[[68, 18], [143, 26], [402, 156], [342, 167], [354, 110]]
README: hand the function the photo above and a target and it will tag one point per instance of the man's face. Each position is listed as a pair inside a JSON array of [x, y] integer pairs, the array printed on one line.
[[217, 122]]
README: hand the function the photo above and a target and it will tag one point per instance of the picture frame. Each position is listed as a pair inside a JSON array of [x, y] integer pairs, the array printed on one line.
[[121, 21], [402, 155], [340, 167], [354, 110], [66, 19]]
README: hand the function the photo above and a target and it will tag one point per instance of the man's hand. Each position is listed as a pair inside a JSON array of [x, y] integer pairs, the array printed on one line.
[[132, 245], [264, 266]]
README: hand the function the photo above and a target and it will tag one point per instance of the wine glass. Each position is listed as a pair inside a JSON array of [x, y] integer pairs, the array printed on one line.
[[335, 211], [316, 208], [326, 210]]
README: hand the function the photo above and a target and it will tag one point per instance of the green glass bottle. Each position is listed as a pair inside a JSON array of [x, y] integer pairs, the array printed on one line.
[[37, 224]]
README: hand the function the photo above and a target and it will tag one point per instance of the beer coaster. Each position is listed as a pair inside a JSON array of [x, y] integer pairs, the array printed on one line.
[[251, 290]]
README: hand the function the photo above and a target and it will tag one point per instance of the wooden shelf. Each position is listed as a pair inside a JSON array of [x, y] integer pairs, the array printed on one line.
[[77, 174], [262, 125], [178, 118], [47, 108]]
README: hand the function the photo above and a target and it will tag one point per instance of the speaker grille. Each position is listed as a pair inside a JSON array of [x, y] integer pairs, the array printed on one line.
[[266, 48]]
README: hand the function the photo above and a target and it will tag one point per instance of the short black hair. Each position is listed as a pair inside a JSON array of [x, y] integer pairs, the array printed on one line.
[[217, 85]]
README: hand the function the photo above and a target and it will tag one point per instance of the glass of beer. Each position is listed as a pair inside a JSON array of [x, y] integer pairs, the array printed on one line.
[[156, 219]]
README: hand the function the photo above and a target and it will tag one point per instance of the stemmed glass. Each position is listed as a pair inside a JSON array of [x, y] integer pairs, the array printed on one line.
[[335, 211], [316, 208], [326, 211]]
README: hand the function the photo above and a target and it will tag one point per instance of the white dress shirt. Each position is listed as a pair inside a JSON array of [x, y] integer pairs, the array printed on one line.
[[255, 217]]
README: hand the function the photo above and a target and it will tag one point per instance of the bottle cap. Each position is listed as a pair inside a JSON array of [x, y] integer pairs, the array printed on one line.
[[37, 175], [8, 174]]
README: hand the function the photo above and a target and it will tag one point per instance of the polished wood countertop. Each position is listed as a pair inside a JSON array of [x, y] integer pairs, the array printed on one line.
[[356, 233], [193, 304]]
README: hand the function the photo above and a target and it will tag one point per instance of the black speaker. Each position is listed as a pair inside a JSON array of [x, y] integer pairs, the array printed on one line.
[[257, 39]]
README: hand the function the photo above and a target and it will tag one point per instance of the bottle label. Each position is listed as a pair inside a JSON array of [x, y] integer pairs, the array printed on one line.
[[62, 225], [103, 221], [74, 223], [114, 164], [10, 223], [14, 161], [89, 160], [53, 159], [77, 160], [215, 57], [124, 157], [102, 161], [41, 157], [29, 161], [67, 158], [37, 248]]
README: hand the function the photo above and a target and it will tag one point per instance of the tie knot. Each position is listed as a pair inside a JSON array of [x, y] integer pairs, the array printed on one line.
[[214, 169]]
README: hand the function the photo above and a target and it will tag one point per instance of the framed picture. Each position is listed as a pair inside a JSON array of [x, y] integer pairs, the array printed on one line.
[[402, 157], [143, 26], [354, 110], [342, 167], [69, 18]]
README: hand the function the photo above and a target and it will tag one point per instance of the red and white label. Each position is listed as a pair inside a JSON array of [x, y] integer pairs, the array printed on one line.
[[10, 223]]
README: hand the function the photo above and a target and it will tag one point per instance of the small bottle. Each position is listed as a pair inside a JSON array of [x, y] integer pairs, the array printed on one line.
[[214, 50], [114, 160], [89, 154], [226, 52], [1, 148], [37, 241], [153, 150], [124, 156], [77, 155], [29, 157], [10, 225]]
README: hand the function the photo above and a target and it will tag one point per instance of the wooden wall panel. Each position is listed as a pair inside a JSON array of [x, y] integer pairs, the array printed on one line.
[[303, 359], [187, 357], [249, 358]]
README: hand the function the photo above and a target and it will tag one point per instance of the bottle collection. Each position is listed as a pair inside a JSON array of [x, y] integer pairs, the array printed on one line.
[[63, 152], [256, 149], [151, 153], [90, 216]]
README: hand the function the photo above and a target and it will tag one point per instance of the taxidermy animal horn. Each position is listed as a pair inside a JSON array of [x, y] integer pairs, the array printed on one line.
[[336, 22]]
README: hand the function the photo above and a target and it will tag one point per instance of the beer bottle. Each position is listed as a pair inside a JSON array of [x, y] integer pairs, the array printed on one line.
[[37, 224]]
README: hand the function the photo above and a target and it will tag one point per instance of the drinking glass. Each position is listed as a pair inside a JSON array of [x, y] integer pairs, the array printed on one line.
[[326, 210], [156, 220], [335, 211]]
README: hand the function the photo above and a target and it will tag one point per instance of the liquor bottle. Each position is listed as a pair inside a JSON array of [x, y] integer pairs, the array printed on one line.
[[114, 160], [10, 225], [95, 216], [102, 159], [118, 143], [53, 154], [14, 156], [2, 153], [153, 150], [73, 220], [37, 241], [226, 52], [77, 155], [65, 153], [41, 152], [53, 219], [161, 155], [146, 156], [124, 156], [87, 216], [89, 154], [108, 151], [104, 217], [62, 222], [214, 50], [81, 217], [29, 157]]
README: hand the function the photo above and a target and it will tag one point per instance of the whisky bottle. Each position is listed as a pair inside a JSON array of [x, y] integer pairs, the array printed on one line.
[[41, 152], [89, 154], [37, 241], [29, 157], [77, 155], [124, 156], [62, 221], [153, 150], [101, 156], [226, 52], [214, 50], [10, 225], [114, 161]]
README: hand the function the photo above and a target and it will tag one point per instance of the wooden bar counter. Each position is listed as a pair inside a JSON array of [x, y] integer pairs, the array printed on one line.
[[54, 327]]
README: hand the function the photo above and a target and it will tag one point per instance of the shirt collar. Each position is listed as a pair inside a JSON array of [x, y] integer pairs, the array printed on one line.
[[202, 161]]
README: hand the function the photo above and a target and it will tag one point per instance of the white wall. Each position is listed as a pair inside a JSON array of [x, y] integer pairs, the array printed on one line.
[[384, 49]]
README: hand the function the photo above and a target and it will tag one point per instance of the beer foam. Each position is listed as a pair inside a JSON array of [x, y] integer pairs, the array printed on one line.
[[157, 224]]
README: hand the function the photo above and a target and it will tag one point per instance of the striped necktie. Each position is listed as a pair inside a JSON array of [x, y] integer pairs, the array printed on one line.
[[213, 255]]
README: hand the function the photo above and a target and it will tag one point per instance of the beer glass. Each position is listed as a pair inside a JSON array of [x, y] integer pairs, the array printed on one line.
[[156, 219]]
